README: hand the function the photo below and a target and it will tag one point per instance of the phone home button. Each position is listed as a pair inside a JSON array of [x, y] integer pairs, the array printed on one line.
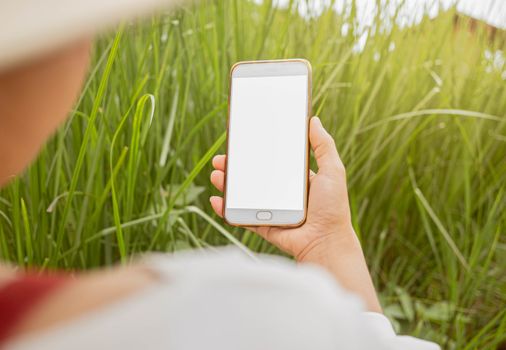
[[264, 215]]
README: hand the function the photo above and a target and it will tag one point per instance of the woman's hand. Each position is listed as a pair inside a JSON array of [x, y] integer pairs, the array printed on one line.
[[327, 237], [328, 214]]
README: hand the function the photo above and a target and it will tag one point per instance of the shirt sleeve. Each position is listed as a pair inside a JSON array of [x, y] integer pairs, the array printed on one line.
[[226, 301], [381, 326]]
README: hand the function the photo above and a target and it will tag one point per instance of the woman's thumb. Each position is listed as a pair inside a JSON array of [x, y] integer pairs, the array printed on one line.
[[324, 147]]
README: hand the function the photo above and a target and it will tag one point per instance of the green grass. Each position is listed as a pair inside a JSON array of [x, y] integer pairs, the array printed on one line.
[[420, 125]]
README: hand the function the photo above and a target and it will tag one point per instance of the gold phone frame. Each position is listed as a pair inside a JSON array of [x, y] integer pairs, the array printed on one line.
[[308, 118]]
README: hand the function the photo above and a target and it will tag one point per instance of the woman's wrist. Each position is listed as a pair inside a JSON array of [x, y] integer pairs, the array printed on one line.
[[337, 241]]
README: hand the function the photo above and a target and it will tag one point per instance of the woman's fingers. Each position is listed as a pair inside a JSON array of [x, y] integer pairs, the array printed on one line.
[[218, 179], [217, 204], [219, 162]]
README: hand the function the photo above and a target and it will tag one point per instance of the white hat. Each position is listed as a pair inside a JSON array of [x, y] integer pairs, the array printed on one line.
[[29, 28]]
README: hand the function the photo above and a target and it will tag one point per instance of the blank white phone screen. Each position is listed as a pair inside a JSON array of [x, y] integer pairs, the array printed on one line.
[[267, 142]]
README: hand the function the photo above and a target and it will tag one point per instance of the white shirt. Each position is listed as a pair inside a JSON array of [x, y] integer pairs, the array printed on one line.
[[227, 301]]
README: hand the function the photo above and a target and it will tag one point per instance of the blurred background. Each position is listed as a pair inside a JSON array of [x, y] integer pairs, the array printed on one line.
[[414, 93]]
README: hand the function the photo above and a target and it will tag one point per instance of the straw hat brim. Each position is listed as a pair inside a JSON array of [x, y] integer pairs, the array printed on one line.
[[31, 28]]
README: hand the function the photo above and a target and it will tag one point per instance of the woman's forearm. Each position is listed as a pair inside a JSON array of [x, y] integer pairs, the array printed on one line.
[[85, 293], [341, 255]]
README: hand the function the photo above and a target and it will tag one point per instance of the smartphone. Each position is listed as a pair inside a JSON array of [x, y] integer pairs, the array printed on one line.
[[267, 164]]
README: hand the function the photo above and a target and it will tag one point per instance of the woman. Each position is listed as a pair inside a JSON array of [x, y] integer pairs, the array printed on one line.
[[190, 300]]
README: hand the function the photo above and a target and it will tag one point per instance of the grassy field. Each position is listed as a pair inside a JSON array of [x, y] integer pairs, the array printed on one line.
[[418, 114]]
